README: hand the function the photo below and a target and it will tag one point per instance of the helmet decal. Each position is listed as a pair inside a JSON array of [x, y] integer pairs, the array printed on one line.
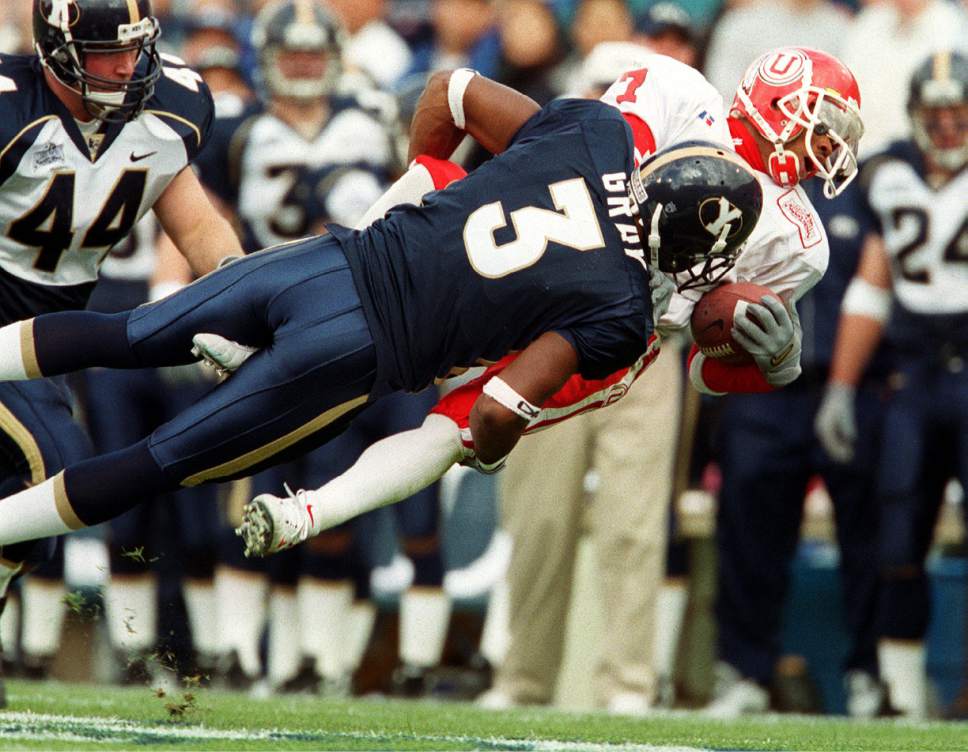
[[717, 213], [783, 67]]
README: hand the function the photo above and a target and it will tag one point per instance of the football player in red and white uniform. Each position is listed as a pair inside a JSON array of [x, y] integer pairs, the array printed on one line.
[[795, 116]]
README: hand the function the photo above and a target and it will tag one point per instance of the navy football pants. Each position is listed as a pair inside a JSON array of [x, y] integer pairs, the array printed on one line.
[[769, 453], [315, 370]]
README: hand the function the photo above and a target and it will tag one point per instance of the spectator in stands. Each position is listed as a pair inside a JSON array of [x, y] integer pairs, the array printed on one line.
[[668, 29], [532, 47], [594, 22], [883, 45], [751, 28], [372, 45], [463, 34]]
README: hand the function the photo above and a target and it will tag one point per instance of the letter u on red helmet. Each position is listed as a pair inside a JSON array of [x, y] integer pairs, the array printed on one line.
[[791, 91], [67, 32]]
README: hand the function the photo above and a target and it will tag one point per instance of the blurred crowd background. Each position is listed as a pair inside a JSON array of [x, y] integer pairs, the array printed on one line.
[[670, 551]]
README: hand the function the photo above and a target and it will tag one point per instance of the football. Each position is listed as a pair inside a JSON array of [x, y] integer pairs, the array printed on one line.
[[712, 320]]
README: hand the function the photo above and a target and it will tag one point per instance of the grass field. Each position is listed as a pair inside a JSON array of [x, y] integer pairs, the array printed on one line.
[[80, 717]]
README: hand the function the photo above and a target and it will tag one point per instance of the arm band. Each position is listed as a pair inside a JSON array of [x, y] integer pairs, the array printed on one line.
[[864, 299], [459, 80], [499, 391]]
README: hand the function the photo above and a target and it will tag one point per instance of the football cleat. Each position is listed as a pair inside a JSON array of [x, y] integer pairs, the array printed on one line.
[[271, 524], [222, 354]]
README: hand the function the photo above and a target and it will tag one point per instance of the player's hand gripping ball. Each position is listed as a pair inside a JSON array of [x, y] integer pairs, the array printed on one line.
[[712, 320]]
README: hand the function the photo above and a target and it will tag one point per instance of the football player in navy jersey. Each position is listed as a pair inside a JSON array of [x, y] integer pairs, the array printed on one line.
[[911, 289], [95, 129], [542, 249]]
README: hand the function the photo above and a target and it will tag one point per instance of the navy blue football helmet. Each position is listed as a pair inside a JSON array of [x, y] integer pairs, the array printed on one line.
[[67, 31], [298, 26], [938, 106], [697, 204]]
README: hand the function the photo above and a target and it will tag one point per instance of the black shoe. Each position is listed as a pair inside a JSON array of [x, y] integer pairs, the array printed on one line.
[[409, 681], [305, 681], [134, 670], [232, 676], [36, 667]]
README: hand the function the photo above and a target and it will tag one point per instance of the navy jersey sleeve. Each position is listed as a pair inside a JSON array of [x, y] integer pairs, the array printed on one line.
[[605, 347], [23, 109], [184, 101]]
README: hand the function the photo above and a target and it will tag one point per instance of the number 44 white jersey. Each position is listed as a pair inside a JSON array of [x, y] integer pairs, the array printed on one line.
[[666, 102], [67, 197]]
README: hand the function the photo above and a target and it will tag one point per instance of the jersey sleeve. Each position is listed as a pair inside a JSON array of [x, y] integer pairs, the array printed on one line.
[[562, 116], [184, 102], [673, 100], [606, 346]]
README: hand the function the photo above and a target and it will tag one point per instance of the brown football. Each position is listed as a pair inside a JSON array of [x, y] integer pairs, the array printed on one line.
[[712, 320]]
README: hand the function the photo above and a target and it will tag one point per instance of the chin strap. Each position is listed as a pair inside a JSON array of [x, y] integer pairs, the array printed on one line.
[[784, 167], [655, 241]]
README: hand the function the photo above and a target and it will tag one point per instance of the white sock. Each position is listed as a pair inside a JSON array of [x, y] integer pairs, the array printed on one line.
[[202, 615], [240, 597], [43, 616], [18, 361], [670, 606], [903, 669], [284, 649], [324, 608], [10, 628], [388, 471], [131, 611], [362, 619], [410, 188], [496, 635], [424, 618], [41, 511]]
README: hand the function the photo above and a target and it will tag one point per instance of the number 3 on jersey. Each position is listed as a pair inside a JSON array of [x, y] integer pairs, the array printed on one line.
[[574, 225], [49, 225]]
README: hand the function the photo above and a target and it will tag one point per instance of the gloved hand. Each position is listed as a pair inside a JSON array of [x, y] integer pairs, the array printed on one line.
[[835, 423], [774, 342], [662, 286], [223, 355]]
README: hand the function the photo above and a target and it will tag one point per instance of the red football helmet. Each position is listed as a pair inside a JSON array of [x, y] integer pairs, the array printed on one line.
[[794, 90]]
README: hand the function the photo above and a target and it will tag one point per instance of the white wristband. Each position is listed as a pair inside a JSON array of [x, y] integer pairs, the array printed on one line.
[[498, 390], [459, 80], [865, 299]]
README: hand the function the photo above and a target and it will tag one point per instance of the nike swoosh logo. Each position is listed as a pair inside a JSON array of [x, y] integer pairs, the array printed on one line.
[[782, 355], [139, 157], [312, 520]]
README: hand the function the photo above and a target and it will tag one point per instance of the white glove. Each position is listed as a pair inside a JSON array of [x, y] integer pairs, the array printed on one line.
[[662, 288], [774, 342], [835, 423], [224, 355]]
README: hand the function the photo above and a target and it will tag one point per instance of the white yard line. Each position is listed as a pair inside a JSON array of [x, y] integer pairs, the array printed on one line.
[[103, 729]]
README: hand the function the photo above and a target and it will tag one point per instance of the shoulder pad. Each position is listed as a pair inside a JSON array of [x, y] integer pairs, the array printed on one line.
[[897, 151], [22, 95], [26, 104], [184, 101]]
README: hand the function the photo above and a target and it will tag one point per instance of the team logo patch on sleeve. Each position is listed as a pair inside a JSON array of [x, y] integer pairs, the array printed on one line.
[[801, 217]]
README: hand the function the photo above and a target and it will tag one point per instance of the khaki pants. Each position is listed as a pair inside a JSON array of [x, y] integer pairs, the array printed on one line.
[[544, 507]]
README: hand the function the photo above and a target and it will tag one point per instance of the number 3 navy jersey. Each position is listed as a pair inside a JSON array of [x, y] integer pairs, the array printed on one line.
[[67, 197], [538, 239]]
